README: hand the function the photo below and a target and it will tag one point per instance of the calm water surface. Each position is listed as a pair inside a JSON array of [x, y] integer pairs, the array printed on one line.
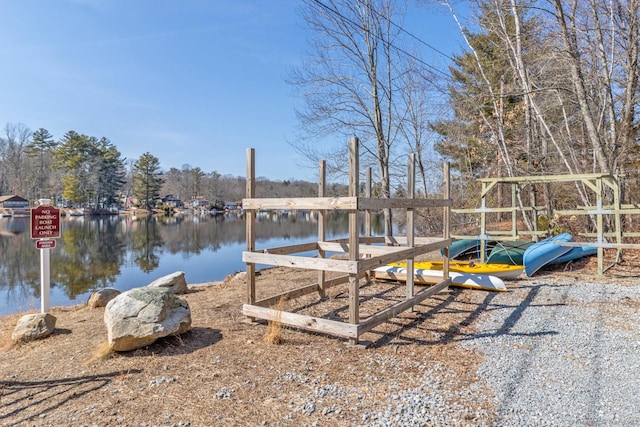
[[123, 252]]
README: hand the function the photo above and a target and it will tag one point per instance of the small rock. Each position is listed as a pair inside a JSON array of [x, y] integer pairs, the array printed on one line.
[[101, 297], [33, 327]]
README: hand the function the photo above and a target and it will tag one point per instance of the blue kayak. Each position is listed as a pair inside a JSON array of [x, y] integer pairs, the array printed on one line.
[[576, 253], [544, 252]]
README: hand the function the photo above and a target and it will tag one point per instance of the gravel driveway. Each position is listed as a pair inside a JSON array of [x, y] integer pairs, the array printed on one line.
[[558, 351]]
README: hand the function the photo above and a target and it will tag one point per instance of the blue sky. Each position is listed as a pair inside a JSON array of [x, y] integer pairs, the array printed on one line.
[[193, 82]]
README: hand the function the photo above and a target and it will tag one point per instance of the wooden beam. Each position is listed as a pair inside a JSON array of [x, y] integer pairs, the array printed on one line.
[[305, 203], [342, 266], [401, 203], [314, 324], [290, 249]]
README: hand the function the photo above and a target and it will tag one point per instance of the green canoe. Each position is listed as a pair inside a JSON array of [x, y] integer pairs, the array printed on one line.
[[508, 252]]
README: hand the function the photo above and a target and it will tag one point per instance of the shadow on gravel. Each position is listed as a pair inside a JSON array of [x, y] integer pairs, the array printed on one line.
[[23, 401], [464, 314]]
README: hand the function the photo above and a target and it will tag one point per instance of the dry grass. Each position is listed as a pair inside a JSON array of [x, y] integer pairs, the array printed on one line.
[[273, 334], [101, 352]]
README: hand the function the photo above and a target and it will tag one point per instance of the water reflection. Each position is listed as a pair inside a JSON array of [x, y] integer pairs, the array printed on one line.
[[125, 252]]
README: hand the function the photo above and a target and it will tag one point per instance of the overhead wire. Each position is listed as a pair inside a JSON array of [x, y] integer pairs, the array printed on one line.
[[399, 49]]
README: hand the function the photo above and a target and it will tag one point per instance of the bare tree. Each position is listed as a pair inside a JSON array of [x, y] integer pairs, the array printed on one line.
[[350, 83], [12, 155]]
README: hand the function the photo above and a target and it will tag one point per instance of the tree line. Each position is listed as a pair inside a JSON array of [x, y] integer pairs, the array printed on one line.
[[79, 170]]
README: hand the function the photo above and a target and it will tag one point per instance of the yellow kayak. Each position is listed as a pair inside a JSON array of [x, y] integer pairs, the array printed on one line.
[[503, 271]]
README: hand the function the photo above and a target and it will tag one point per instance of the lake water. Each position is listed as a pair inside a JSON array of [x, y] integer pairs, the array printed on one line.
[[125, 252]]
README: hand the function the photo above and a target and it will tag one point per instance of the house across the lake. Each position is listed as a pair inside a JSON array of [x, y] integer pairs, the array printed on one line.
[[12, 205]]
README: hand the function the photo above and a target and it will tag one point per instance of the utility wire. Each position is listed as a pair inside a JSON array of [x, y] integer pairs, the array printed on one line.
[[419, 40], [355, 24]]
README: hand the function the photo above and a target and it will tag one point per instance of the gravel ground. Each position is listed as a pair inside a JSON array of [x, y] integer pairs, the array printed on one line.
[[556, 353]]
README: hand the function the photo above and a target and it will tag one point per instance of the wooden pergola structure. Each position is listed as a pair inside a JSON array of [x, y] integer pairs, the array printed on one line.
[[364, 252], [597, 183]]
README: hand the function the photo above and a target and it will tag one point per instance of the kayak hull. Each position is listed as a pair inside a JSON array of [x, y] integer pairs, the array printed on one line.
[[575, 253], [508, 252], [467, 248], [429, 277], [503, 271], [544, 252]]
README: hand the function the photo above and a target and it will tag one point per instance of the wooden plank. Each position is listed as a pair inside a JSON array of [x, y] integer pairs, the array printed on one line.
[[402, 240], [547, 178], [603, 245], [309, 323], [384, 315], [342, 266], [363, 249], [290, 249], [306, 203], [401, 203], [301, 291]]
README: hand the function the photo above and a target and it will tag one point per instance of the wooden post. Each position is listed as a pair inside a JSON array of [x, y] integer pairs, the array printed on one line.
[[600, 227], [367, 216], [250, 219], [446, 219], [483, 223], [354, 230], [367, 213], [322, 224], [411, 174], [615, 187], [514, 212]]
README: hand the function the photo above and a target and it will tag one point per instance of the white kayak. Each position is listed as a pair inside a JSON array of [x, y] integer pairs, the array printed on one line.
[[422, 276]]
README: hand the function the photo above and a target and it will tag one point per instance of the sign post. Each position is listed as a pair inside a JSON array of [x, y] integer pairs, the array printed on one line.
[[45, 226]]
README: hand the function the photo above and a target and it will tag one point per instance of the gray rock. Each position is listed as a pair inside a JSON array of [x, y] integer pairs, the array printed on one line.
[[175, 282], [140, 316], [33, 327], [101, 297]]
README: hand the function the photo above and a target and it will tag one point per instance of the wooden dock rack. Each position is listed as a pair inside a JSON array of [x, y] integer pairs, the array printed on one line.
[[364, 252]]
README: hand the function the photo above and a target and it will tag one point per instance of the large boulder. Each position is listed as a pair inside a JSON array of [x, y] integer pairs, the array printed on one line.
[[175, 282], [101, 297], [33, 327], [140, 316]]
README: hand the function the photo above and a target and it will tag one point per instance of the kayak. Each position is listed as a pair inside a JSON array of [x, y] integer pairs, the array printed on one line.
[[544, 252], [508, 252], [503, 271], [467, 248], [428, 277], [575, 253]]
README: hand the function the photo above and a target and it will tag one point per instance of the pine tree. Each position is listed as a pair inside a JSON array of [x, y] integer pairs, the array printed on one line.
[[147, 179]]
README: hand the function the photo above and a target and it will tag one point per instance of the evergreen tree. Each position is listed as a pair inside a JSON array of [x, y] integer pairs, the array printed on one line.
[[41, 147], [147, 179]]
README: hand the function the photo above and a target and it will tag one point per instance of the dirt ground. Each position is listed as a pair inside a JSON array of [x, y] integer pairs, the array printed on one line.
[[222, 372]]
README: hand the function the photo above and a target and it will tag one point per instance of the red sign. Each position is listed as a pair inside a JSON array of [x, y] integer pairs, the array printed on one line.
[[45, 222], [45, 244]]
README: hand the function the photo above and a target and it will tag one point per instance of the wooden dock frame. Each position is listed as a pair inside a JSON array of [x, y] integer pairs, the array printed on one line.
[[596, 182], [365, 252]]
